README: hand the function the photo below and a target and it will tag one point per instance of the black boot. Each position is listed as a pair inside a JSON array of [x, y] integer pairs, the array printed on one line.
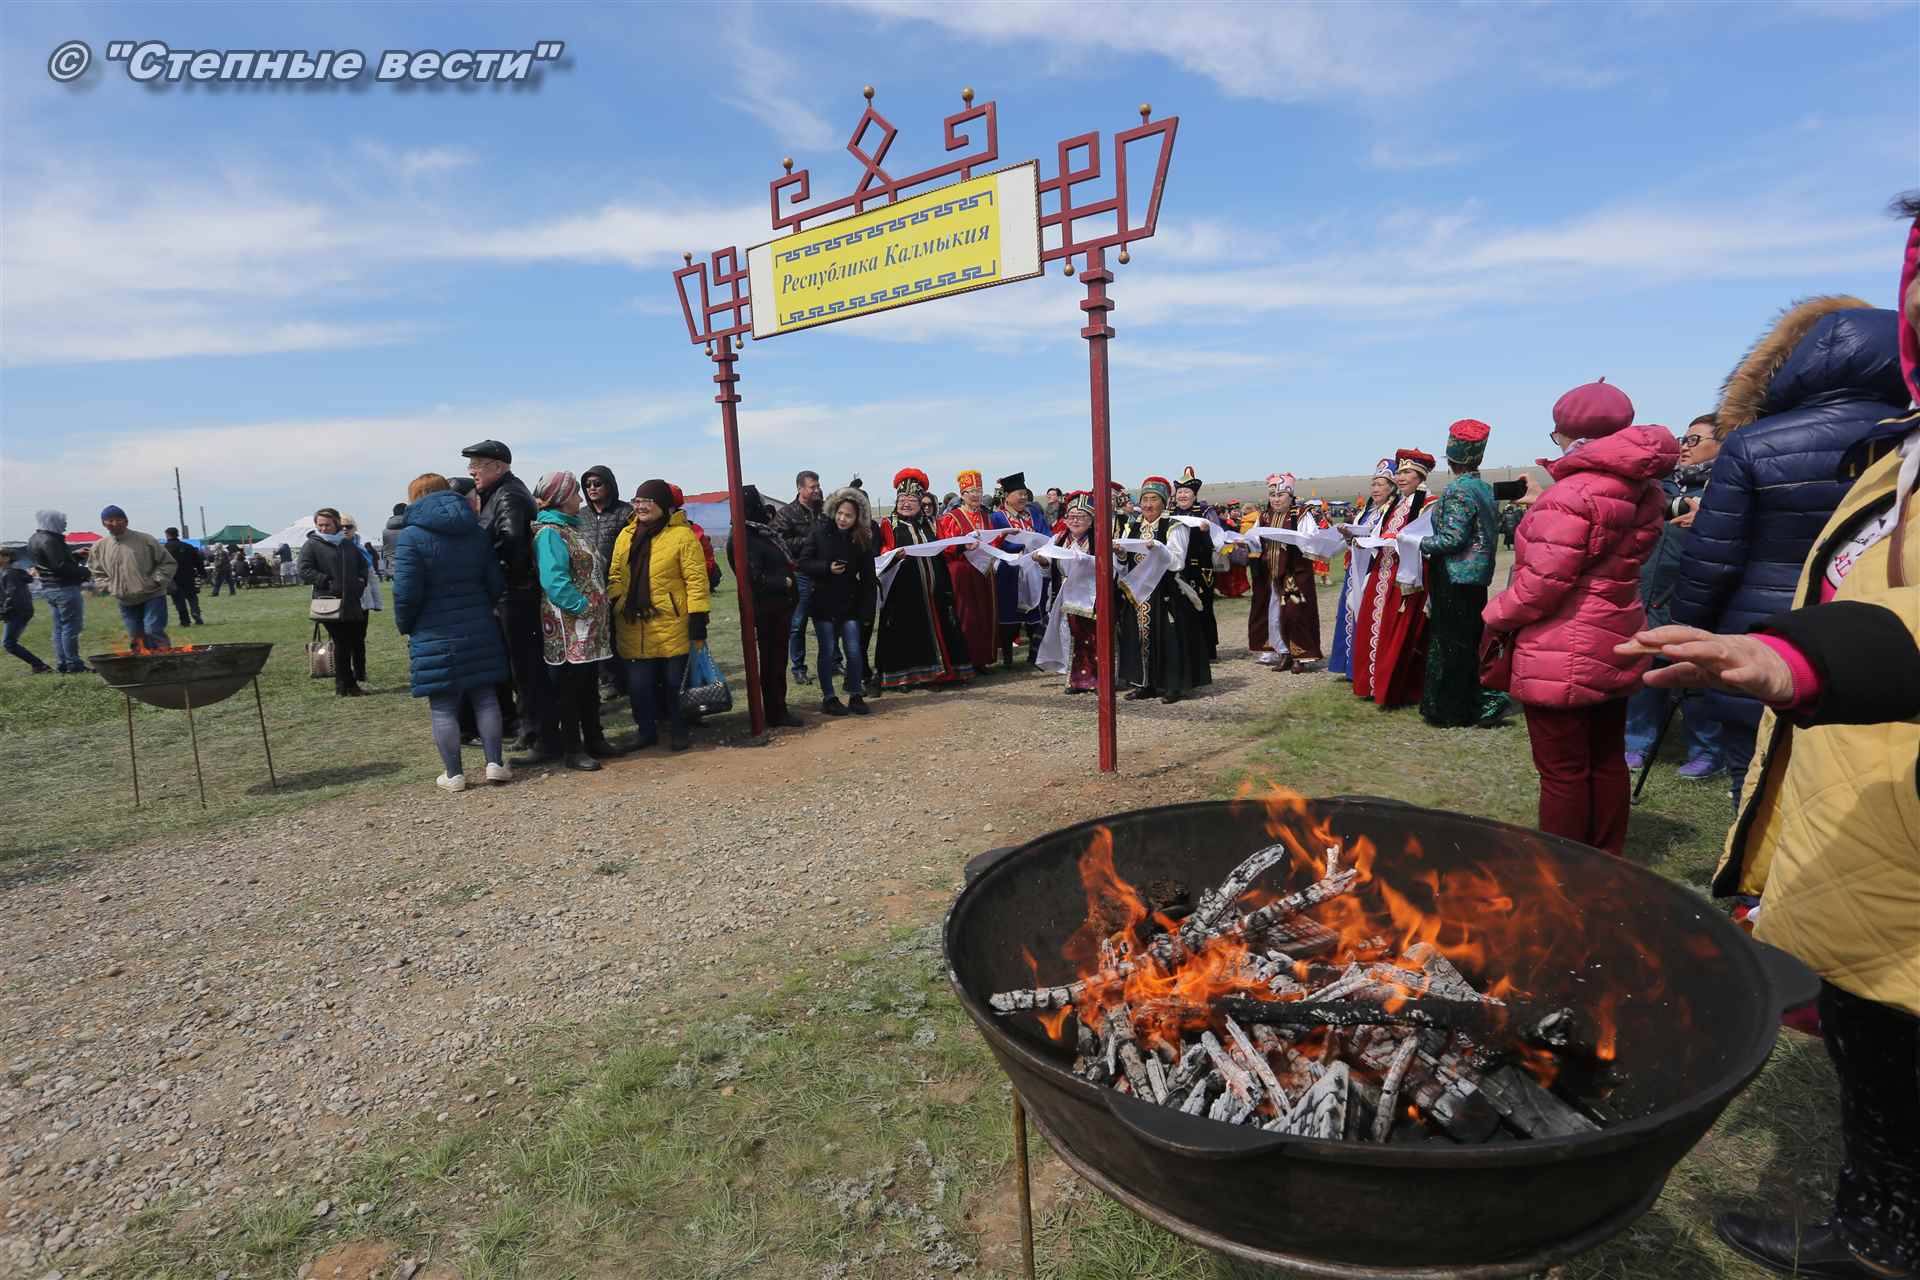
[[1789, 1248]]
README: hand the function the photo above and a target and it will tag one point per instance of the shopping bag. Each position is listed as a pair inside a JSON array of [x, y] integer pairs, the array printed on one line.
[[1496, 660], [705, 691]]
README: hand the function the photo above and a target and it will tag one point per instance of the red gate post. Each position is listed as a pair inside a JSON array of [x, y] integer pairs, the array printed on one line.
[[1097, 276], [1096, 304], [721, 346]]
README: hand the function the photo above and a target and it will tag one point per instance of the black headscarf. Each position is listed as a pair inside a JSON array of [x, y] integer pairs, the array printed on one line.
[[639, 601]]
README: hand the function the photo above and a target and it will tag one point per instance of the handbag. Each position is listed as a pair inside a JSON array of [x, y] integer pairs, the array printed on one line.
[[1496, 661], [324, 609], [705, 691], [320, 655]]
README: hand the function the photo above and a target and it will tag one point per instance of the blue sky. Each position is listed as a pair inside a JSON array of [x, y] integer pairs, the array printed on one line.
[[1379, 219]]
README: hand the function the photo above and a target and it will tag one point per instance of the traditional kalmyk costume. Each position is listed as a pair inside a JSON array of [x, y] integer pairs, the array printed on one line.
[[1390, 640], [1460, 551], [1283, 624], [918, 641], [1359, 560], [973, 599], [1072, 640], [1163, 644], [1007, 577], [1199, 574]]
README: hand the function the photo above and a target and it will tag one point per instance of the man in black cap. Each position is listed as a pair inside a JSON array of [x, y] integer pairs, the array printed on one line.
[[506, 513]]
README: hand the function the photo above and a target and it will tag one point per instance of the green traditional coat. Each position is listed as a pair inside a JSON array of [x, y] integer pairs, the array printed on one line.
[[1465, 531]]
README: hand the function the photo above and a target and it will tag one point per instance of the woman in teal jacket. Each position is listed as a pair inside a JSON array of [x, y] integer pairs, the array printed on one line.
[[573, 616]]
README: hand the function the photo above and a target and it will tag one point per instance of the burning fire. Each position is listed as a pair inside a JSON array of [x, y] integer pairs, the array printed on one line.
[[1328, 911], [137, 646]]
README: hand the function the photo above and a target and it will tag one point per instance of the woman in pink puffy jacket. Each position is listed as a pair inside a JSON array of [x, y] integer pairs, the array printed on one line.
[[1574, 596]]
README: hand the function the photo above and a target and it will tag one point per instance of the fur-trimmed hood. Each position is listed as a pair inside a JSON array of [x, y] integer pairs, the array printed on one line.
[[862, 503], [1817, 345]]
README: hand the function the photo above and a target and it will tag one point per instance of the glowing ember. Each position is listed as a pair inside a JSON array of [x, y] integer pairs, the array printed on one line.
[[1373, 998]]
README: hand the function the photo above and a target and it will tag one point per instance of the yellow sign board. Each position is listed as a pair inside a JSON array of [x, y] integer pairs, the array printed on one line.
[[969, 235]]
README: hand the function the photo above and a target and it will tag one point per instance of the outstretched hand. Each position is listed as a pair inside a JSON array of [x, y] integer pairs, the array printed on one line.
[[1742, 664]]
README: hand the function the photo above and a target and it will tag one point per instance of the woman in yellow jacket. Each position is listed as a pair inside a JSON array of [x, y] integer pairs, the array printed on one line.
[[657, 585], [1828, 835]]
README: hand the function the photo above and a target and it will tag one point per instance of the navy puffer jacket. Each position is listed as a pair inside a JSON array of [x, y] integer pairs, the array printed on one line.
[[445, 581], [1819, 381]]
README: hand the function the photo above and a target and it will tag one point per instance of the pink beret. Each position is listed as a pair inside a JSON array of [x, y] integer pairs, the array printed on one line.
[[1597, 409]]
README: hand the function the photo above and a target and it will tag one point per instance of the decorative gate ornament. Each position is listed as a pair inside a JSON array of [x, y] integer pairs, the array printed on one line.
[[716, 295]]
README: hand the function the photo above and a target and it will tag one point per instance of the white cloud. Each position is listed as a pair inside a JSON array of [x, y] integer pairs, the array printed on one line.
[[634, 235], [770, 86], [1403, 157], [1278, 52], [415, 162]]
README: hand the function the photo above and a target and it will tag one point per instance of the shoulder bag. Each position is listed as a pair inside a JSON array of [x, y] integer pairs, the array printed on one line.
[[320, 655]]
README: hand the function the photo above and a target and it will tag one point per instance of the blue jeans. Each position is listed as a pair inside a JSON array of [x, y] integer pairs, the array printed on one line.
[[147, 622], [654, 685], [69, 605], [10, 641], [797, 629], [850, 661], [1647, 710]]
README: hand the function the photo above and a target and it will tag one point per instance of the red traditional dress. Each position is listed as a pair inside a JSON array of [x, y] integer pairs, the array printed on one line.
[[973, 599], [1390, 633]]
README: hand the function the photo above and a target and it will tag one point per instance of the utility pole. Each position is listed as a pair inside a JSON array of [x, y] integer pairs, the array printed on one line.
[[180, 503], [203, 522]]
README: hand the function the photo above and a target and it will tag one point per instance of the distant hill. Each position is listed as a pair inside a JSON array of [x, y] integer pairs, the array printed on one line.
[[1331, 487]]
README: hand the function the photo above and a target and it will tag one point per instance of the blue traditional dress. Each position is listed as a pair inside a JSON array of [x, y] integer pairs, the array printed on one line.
[[1006, 586], [1340, 658]]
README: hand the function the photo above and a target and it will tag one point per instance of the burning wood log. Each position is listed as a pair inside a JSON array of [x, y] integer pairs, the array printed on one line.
[[1116, 1029], [1481, 1019], [1383, 1115], [1248, 1056], [1216, 902], [1322, 1110], [1531, 1110], [1061, 997]]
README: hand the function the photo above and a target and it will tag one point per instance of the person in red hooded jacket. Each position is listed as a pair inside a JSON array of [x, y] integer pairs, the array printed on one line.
[[1574, 596], [706, 543]]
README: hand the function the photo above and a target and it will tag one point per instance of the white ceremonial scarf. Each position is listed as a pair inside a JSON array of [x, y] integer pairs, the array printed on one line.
[[1362, 563], [1412, 573], [1076, 596], [1033, 574], [888, 562]]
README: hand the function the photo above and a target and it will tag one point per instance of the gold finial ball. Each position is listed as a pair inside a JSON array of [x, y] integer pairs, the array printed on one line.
[[688, 257], [786, 162], [1069, 269], [966, 95], [1146, 109], [709, 348], [1125, 257], [867, 93]]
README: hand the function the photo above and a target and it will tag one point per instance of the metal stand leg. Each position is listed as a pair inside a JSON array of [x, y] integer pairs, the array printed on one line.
[[133, 757], [1026, 1184], [195, 735], [272, 781]]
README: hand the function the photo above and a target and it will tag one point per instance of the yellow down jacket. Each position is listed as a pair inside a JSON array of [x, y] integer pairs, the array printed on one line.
[[1829, 826], [677, 571]]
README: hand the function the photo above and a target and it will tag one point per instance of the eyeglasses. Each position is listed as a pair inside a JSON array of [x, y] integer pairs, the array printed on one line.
[[1687, 442], [596, 484]]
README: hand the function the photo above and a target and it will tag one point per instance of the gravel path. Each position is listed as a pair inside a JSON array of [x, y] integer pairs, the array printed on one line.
[[215, 1017]]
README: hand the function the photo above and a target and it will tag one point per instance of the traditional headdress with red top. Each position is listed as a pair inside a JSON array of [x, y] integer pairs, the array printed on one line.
[[1158, 484], [1282, 480], [1188, 480], [911, 480], [1467, 443], [969, 479], [1080, 500], [1414, 459]]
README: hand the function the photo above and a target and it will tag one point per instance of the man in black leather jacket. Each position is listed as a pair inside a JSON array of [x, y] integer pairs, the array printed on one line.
[[62, 578], [794, 525], [775, 591], [506, 513]]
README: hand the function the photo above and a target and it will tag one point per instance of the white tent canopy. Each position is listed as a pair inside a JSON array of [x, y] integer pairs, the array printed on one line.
[[291, 536]]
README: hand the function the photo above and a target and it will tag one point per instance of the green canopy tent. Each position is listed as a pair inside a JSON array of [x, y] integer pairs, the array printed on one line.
[[238, 533]]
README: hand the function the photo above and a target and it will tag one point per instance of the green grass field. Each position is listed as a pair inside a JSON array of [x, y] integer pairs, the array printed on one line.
[[65, 754], [741, 1137]]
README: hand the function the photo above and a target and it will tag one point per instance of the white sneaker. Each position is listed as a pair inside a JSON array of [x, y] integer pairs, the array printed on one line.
[[499, 773], [458, 782]]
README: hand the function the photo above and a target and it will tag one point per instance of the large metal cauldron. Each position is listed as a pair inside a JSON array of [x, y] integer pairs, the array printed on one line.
[[1698, 1007], [202, 675]]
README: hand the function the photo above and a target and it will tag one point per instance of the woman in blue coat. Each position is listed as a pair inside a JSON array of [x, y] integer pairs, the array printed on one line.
[[446, 580], [1827, 371]]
